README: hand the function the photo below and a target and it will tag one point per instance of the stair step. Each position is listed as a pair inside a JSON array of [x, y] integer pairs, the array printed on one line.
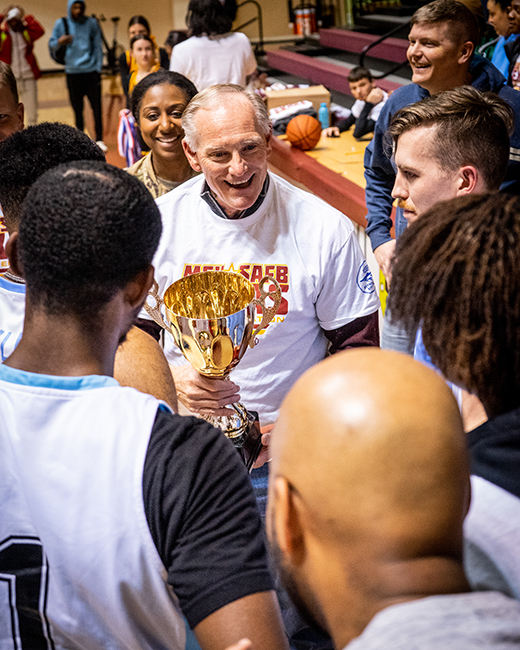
[[331, 75], [381, 24], [391, 49]]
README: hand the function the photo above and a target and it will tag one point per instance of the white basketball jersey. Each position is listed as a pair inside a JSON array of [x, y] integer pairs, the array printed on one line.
[[75, 546], [12, 312]]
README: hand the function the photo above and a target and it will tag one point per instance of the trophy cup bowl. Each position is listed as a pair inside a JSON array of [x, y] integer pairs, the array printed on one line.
[[211, 318]]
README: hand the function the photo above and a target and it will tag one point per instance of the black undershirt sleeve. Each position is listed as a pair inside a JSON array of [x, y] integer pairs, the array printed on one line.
[[361, 332], [150, 327], [203, 516], [345, 123], [364, 124]]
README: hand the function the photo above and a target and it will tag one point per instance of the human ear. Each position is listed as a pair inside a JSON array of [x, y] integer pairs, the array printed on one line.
[[11, 249], [20, 110], [287, 522], [268, 138], [466, 52], [137, 289], [469, 178], [192, 156]]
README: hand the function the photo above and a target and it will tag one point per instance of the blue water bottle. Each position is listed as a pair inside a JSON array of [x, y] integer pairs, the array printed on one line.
[[323, 115]]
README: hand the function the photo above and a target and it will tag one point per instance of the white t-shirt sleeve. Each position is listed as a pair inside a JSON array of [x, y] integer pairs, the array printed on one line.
[[250, 64], [347, 290], [357, 107], [178, 62]]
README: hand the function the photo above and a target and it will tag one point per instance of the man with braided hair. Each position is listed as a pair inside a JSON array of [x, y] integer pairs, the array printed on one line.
[[460, 262]]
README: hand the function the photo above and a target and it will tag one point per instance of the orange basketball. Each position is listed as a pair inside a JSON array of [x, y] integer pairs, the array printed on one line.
[[304, 132]]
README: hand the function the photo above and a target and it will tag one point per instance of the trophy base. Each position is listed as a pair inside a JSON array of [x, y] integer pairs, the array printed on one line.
[[243, 430]]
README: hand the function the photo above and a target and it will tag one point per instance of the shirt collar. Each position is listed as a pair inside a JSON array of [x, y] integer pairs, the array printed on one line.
[[207, 195]]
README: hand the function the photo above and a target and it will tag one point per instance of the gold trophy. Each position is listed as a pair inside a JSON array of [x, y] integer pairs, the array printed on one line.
[[211, 318]]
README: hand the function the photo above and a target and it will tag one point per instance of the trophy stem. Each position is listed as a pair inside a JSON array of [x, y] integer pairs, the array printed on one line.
[[243, 431], [234, 427]]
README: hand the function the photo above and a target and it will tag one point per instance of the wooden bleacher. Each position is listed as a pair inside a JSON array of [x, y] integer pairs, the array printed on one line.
[[391, 49], [331, 75]]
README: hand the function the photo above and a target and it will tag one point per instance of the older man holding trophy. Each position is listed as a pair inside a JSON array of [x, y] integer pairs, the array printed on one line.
[[238, 219]]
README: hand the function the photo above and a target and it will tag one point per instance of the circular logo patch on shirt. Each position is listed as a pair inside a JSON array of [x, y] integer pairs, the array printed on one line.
[[364, 279]]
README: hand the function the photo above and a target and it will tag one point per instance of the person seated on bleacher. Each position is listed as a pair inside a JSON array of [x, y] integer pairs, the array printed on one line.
[[369, 486], [213, 54], [366, 108], [457, 275]]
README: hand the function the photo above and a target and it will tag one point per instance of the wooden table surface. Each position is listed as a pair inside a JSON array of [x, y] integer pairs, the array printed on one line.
[[333, 170], [344, 155]]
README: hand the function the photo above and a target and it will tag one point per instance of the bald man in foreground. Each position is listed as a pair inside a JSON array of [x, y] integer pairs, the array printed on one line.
[[367, 529]]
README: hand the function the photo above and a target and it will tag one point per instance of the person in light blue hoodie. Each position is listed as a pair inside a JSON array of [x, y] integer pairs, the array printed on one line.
[[83, 61]]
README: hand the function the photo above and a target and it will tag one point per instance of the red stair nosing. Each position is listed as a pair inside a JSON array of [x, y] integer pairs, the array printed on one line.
[[319, 72], [391, 49]]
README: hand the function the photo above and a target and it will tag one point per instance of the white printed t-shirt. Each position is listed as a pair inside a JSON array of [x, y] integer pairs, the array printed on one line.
[[308, 246], [226, 59], [12, 312]]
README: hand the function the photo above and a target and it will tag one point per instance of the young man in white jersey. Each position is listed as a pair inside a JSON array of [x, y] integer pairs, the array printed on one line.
[[24, 156], [117, 518], [22, 160]]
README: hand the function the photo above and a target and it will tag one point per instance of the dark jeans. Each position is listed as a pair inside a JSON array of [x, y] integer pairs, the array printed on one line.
[[89, 84]]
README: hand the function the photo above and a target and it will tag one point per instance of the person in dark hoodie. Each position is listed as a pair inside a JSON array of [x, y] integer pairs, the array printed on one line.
[[83, 61], [441, 54]]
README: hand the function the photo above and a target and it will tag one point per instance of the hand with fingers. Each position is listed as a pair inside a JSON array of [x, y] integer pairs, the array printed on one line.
[[375, 96], [331, 132], [202, 395], [384, 255], [265, 453]]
